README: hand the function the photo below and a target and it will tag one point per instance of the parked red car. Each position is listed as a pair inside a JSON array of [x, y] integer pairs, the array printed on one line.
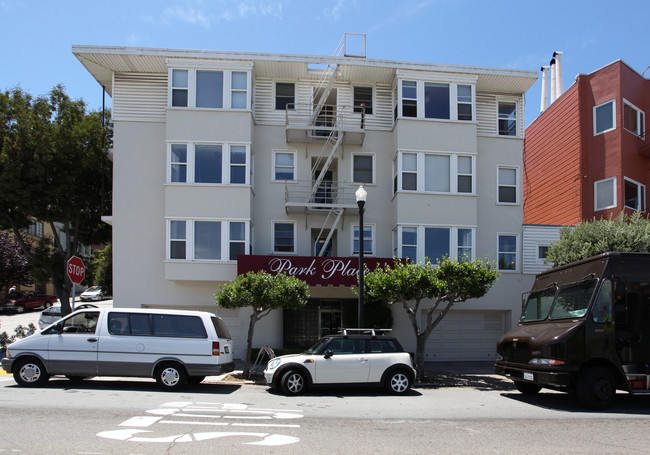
[[20, 301]]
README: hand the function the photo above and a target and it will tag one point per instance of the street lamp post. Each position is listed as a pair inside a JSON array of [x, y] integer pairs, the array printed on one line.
[[361, 195]]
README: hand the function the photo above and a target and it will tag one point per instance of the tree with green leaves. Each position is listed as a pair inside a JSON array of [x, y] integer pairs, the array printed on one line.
[[54, 168], [432, 288], [264, 293], [102, 268], [14, 266], [630, 233]]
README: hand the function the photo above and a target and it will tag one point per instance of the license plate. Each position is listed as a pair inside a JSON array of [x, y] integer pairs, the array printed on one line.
[[529, 376]]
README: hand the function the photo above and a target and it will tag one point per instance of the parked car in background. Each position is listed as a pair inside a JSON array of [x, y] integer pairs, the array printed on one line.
[[52, 314], [21, 301], [362, 357], [93, 293]]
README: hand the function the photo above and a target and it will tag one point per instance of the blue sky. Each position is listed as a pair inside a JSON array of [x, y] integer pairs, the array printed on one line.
[[519, 34]]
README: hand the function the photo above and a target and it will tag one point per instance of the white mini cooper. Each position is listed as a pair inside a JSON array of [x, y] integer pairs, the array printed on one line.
[[367, 358]]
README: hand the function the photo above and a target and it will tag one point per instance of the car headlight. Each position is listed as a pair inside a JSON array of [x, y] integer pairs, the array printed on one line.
[[273, 364], [543, 361]]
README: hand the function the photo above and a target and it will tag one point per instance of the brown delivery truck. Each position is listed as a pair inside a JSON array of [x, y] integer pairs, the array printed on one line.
[[585, 329]]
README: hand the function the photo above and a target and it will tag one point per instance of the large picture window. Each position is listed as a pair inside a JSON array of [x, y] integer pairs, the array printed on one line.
[[435, 172], [202, 240], [435, 243], [209, 89], [194, 163], [436, 100]]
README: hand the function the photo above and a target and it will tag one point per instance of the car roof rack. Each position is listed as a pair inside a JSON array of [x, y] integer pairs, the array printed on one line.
[[373, 332]]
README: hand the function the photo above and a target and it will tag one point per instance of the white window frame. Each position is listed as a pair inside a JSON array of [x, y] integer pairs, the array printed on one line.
[[613, 127], [516, 186], [506, 100], [225, 163], [275, 167], [189, 238], [641, 195], [373, 99], [614, 194], [355, 238], [372, 156], [295, 237], [226, 89], [517, 252], [421, 236], [538, 258], [640, 119], [420, 99], [420, 172]]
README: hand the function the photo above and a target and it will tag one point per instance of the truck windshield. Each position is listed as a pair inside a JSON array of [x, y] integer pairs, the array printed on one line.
[[538, 304], [573, 300]]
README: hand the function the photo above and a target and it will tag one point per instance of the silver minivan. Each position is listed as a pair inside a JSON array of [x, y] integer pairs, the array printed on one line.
[[174, 347]]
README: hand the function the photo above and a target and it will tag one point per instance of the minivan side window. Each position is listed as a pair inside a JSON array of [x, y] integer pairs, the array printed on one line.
[[85, 322], [160, 325]]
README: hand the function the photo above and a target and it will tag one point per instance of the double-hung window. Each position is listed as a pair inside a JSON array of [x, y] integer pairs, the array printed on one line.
[[507, 118], [284, 237], [363, 99], [634, 195], [507, 187], [209, 89], [409, 99], [605, 194], [633, 119], [362, 168], [285, 95], [464, 100], [194, 163], [604, 118], [507, 252], [435, 172], [284, 165], [434, 243], [205, 240], [368, 239]]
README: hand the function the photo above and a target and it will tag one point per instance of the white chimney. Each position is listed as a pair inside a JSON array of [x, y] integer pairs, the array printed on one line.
[[544, 88], [553, 79], [559, 84]]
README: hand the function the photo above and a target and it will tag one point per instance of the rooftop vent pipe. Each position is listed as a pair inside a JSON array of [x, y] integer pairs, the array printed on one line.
[[559, 85], [544, 70]]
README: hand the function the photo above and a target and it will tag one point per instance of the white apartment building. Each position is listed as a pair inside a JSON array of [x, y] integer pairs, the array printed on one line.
[[222, 154]]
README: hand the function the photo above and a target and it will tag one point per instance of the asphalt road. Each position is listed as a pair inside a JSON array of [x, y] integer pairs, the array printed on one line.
[[124, 416]]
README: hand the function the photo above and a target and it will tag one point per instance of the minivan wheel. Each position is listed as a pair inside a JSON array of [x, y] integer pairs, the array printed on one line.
[[171, 376], [30, 373], [596, 388], [293, 382], [398, 382], [527, 388]]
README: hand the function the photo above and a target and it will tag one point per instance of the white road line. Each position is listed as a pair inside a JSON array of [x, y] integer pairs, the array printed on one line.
[[140, 421]]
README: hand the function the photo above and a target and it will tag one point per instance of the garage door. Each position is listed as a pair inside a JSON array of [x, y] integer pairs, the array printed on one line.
[[234, 325], [466, 335]]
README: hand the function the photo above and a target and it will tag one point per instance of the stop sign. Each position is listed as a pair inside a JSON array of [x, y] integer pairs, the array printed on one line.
[[76, 270]]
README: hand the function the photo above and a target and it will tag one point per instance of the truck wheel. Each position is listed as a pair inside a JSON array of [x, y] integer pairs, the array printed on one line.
[[527, 388], [293, 383], [30, 373], [170, 376], [596, 388]]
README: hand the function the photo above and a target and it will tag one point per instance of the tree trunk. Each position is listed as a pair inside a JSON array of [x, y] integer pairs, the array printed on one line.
[[249, 345], [419, 356]]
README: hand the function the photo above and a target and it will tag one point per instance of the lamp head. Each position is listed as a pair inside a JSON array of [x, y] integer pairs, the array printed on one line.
[[361, 194]]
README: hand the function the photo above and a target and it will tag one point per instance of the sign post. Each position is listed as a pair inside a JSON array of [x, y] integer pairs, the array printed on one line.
[[76, 272]]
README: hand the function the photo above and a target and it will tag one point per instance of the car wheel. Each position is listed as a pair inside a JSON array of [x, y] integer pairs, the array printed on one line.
[[527, 388], [398, 382], [293, 382], [30, 373], [596, 388], [20, 309], [171, 376]]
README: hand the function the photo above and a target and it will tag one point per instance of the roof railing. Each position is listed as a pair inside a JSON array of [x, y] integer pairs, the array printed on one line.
[[373, 332]]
